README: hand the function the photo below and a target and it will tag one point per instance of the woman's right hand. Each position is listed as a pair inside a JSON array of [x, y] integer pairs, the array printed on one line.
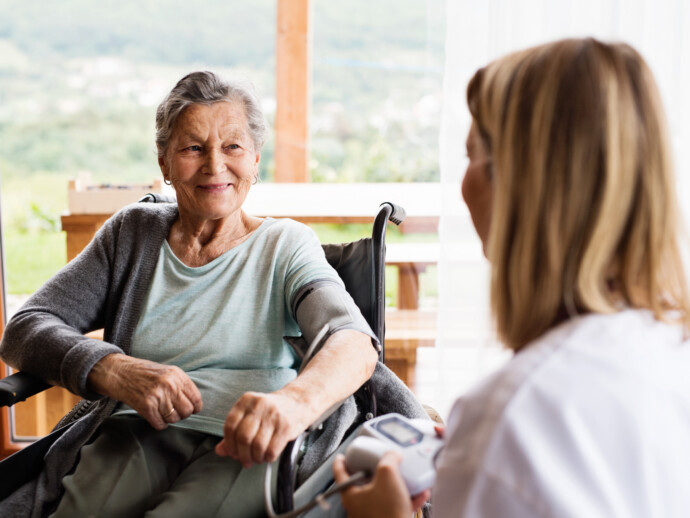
[[161, 394]]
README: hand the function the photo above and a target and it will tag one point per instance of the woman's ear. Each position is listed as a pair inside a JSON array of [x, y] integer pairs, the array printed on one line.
[[163, 166]]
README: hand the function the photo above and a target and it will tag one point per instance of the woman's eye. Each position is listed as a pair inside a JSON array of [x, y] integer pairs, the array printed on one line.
[[233, 146], [193, 148]]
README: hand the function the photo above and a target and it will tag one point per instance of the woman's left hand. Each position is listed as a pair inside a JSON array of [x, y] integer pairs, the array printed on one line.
[[386, 494], [259, 426]]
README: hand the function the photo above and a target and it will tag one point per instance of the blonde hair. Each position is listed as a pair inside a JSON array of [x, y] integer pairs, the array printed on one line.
[[584, 215]]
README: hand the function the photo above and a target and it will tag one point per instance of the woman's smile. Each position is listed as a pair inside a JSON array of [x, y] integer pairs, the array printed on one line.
[[215, 187]]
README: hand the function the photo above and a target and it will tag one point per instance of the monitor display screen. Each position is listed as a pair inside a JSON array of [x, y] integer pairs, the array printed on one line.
[[399, 432]]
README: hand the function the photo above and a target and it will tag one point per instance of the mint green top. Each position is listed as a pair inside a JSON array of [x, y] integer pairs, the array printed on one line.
[[223, 323]]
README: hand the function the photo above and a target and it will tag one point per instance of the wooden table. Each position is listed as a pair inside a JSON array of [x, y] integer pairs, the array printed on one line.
[[407, 331], [411, 259]]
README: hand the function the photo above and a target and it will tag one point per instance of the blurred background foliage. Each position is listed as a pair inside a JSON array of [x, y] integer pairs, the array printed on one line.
[[80, 80]]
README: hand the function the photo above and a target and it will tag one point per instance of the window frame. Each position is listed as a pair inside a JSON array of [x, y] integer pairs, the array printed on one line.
[[7, 445]]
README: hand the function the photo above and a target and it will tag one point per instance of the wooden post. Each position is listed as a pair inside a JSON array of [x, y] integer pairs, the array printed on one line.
[[293, 91]]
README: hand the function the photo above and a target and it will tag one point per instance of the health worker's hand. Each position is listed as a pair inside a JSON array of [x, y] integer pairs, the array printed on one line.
[[386, 494]]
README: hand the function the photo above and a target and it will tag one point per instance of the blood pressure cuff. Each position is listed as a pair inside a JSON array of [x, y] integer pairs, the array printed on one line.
[[325, 302]]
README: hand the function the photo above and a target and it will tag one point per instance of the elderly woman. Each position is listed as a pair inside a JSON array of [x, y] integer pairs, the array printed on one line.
[[570, 187], [193, 386]]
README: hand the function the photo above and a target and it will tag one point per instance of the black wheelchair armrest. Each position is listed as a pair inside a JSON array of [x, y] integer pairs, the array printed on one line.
[[18, 387]]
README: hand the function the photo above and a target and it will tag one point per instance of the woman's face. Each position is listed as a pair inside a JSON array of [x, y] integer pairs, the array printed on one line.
[[477, 189], [211, 160]]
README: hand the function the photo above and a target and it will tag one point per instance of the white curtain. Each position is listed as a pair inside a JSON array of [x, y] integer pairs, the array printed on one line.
[[477, 32]]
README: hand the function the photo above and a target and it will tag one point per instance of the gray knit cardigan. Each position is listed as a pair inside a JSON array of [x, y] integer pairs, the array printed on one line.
[[104, 287]]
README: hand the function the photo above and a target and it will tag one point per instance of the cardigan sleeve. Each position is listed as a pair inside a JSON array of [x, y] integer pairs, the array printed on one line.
[[46, 336]]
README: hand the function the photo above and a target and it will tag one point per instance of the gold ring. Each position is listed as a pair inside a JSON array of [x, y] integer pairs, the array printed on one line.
[[169, 413]]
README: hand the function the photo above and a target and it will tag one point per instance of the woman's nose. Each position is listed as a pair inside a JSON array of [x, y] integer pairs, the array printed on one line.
[[215, 163]]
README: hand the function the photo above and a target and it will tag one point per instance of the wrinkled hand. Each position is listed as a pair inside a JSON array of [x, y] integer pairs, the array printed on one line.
[[150, 388], [386, 494], [259, 426]]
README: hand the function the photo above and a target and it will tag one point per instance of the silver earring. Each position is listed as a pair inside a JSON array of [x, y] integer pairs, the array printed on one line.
[[256, 180], [166, 181]]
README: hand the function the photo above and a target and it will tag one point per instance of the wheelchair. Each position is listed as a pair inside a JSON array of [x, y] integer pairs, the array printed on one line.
[[361, 266]]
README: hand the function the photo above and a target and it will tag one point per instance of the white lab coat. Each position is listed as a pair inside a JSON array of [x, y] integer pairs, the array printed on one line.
[[590, 420]]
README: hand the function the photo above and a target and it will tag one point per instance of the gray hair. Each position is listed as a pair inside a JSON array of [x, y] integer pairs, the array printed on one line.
[[208, 88]]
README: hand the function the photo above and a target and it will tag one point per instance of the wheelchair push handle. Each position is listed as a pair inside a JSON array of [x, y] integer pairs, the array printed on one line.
[[397, 214]]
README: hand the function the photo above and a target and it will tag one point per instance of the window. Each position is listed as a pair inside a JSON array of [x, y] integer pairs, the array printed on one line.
[[378, 70]]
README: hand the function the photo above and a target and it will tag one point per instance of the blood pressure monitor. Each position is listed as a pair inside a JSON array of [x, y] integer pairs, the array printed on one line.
[[415, 439]]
